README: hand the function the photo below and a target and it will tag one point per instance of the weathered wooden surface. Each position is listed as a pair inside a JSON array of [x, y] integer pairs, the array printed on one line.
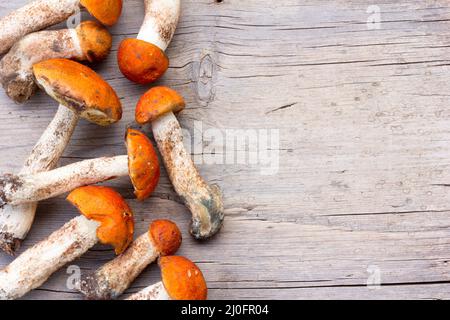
[[364, 147]]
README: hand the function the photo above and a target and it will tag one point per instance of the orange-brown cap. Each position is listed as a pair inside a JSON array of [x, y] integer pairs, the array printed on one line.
[[106, 11], [156, 102], [165, 236], [141, 61], [95, 40], [79, 88], [106, 206], [143, 163], [182, 279]]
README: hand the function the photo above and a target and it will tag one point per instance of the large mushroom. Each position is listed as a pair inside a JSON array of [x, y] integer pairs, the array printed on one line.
[[40, 14], [143, 60], [141, 164], [181, 280], [111, 280], [90, 41], [105, 217], [82, 94], [205, 202]]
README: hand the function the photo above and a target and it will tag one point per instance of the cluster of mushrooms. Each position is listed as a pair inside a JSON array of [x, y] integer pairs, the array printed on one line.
[[50, 60]]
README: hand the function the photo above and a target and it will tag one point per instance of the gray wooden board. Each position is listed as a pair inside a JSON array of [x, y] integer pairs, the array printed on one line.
[[364, 128]]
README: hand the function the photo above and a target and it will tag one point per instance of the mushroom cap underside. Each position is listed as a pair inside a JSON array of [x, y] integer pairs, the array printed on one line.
[[79, 88]]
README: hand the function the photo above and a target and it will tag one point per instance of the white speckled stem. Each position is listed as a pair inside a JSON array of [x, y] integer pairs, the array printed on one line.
[[161, 19], [49, 184], [34, 16], [153, 292], [16, 221], [33, 267], [204, 201], [112, 279], [16, 74]]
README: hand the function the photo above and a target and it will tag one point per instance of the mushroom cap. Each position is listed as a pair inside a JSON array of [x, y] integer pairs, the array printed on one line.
[[143, 163], [107, 207], [80, 89], [95, 40], [182, 279], [166, 236], [106, 11], [141, 61], [156, 102]]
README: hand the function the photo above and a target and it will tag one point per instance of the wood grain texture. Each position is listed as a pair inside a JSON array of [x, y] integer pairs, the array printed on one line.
[[364, 147]]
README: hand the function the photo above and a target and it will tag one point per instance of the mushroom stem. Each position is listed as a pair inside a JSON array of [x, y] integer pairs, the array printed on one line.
[[16, 73], [204, 201], [33, 267], [160, 22], [34, 16], [112, 279], [15, 221], [44, 185], [153, 292], [89, 41]]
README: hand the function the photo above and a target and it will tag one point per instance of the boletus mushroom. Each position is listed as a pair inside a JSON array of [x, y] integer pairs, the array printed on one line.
[[111, 280], [181, 280], [105, 217], [90, 41], [40, 14], [204, 201], [141, 164], [143, 60], [82, 94]]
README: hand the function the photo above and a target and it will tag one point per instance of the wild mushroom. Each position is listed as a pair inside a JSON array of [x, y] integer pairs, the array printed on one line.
[[111, 280], [40, 14], [90, 41], [181, 280], [81, 93], [204, 201], [143, 60], [106, 218], [141, 164]]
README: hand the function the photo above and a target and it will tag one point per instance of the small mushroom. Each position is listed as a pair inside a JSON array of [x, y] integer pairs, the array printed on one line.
[[181, 280], [81, 93], [40, 14], [111, 280], [141, 164], [143, 60], [105, 217], [204, 201], [90, 41]]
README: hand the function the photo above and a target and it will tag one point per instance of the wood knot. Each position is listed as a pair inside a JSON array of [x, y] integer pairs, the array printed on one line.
[[204, 78]]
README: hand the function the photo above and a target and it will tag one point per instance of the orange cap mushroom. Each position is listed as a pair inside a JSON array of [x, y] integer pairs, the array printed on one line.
[[107, 207], [166, 236], [141, 62], [143, 163], [182, 279], [79, 88], [117, 275], [95, 40], [106, 11], [156, 102]]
